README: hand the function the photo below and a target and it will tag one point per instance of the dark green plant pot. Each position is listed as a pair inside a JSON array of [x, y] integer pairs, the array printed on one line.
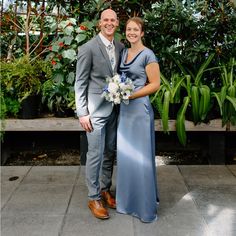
[[64, 113], [173, 110], [30, 107]]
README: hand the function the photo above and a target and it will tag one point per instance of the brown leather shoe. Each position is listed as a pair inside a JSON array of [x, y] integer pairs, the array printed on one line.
[[98, 210], [109, 199]]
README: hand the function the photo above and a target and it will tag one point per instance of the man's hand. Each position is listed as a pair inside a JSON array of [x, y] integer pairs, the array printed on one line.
[[86, 123]]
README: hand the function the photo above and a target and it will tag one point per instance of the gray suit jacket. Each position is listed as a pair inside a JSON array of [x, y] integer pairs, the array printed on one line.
[[93, 66]]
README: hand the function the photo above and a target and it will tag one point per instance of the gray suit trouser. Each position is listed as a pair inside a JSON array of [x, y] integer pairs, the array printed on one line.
[[101, 155]]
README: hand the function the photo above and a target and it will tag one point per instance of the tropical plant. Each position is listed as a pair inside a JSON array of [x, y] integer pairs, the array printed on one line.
[[62, 56], [57, 97], [198, 98], [10, 104], [20, 79], [169, 93], [190, 30], [226, 97]]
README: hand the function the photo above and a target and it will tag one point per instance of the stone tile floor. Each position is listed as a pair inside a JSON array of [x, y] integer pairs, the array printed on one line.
[[195, 200]]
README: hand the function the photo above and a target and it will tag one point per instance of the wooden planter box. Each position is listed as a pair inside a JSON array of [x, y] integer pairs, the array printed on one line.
[[216, 133], [72, 124]]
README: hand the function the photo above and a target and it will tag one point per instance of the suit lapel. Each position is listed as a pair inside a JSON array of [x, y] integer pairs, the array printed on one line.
[[104, 52], [117, 52]]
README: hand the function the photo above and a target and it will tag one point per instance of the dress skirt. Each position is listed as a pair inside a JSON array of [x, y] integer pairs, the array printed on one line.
[[136, 188]]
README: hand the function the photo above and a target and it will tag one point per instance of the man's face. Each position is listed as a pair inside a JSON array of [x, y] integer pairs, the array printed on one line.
[[108, 23]]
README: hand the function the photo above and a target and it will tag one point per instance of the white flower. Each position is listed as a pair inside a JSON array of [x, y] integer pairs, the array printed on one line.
[[126, 94], [124, 86], [113, 87], [116, 79], [118, 89], [117, 100]]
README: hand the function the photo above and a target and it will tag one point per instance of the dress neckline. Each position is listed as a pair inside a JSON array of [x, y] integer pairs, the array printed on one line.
[[133, 59]]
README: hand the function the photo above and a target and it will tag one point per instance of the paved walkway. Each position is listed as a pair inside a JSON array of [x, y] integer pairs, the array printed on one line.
[[51, 201]]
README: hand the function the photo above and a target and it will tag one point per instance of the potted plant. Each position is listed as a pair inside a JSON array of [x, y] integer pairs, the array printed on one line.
[[198, 98], [58, 92], [167, 99], [9, 100], [226, 95], [56, 96], [21, 82]]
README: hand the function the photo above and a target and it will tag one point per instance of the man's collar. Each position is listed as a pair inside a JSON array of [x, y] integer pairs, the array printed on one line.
[[105, 41]]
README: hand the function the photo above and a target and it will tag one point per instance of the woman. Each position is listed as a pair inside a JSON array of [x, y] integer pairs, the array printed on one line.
[[136, 191]]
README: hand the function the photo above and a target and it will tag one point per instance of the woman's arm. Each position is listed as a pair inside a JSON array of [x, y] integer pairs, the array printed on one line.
[[153, 75]]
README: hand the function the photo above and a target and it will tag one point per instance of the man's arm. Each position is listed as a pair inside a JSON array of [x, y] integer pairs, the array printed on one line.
[[83, 67]]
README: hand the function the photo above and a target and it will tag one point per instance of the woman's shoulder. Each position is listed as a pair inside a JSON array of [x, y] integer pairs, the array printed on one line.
[[150, 53], [150, 56]]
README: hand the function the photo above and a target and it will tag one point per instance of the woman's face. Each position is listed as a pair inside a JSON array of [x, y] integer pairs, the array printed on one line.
[[133, 32]]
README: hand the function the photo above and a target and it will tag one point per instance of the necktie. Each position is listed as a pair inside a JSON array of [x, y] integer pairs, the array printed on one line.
[[111, 54]]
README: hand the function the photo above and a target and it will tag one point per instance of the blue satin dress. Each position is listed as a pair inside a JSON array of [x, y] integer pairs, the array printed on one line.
[[136, 186]]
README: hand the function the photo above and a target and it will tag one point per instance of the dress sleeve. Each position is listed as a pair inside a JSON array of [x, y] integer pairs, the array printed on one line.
[[150, 57]]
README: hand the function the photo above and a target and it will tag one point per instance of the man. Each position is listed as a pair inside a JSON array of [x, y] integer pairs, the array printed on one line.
[[98, 59]]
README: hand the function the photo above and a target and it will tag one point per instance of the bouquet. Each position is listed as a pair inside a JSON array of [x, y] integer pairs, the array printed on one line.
[[118, 89]]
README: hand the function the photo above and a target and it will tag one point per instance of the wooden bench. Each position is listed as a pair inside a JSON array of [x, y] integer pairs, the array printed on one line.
[[72, 124], [216, 144]]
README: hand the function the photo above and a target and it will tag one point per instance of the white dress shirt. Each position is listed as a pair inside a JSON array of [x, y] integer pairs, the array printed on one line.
[[111, 53]]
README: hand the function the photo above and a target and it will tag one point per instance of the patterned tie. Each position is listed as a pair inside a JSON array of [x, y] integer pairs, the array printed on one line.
[[110, 49]]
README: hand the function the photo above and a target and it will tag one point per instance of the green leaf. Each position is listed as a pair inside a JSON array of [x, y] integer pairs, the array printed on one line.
[[72, 21], [232, 100], [219, 101], [188, 84], [158, 105], [180, 122], [204, 106], [176, 87], [69, 30], [202, 69], [63, 24], [55, 48], [57, 66], [165, 111], [231, 91], [71, 77], [53, 27], [165, 82], [223, 93], [88, 24], [80, 37], [153, 97], [68, 40], [195, 104], [69, 54], [58, 78]]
